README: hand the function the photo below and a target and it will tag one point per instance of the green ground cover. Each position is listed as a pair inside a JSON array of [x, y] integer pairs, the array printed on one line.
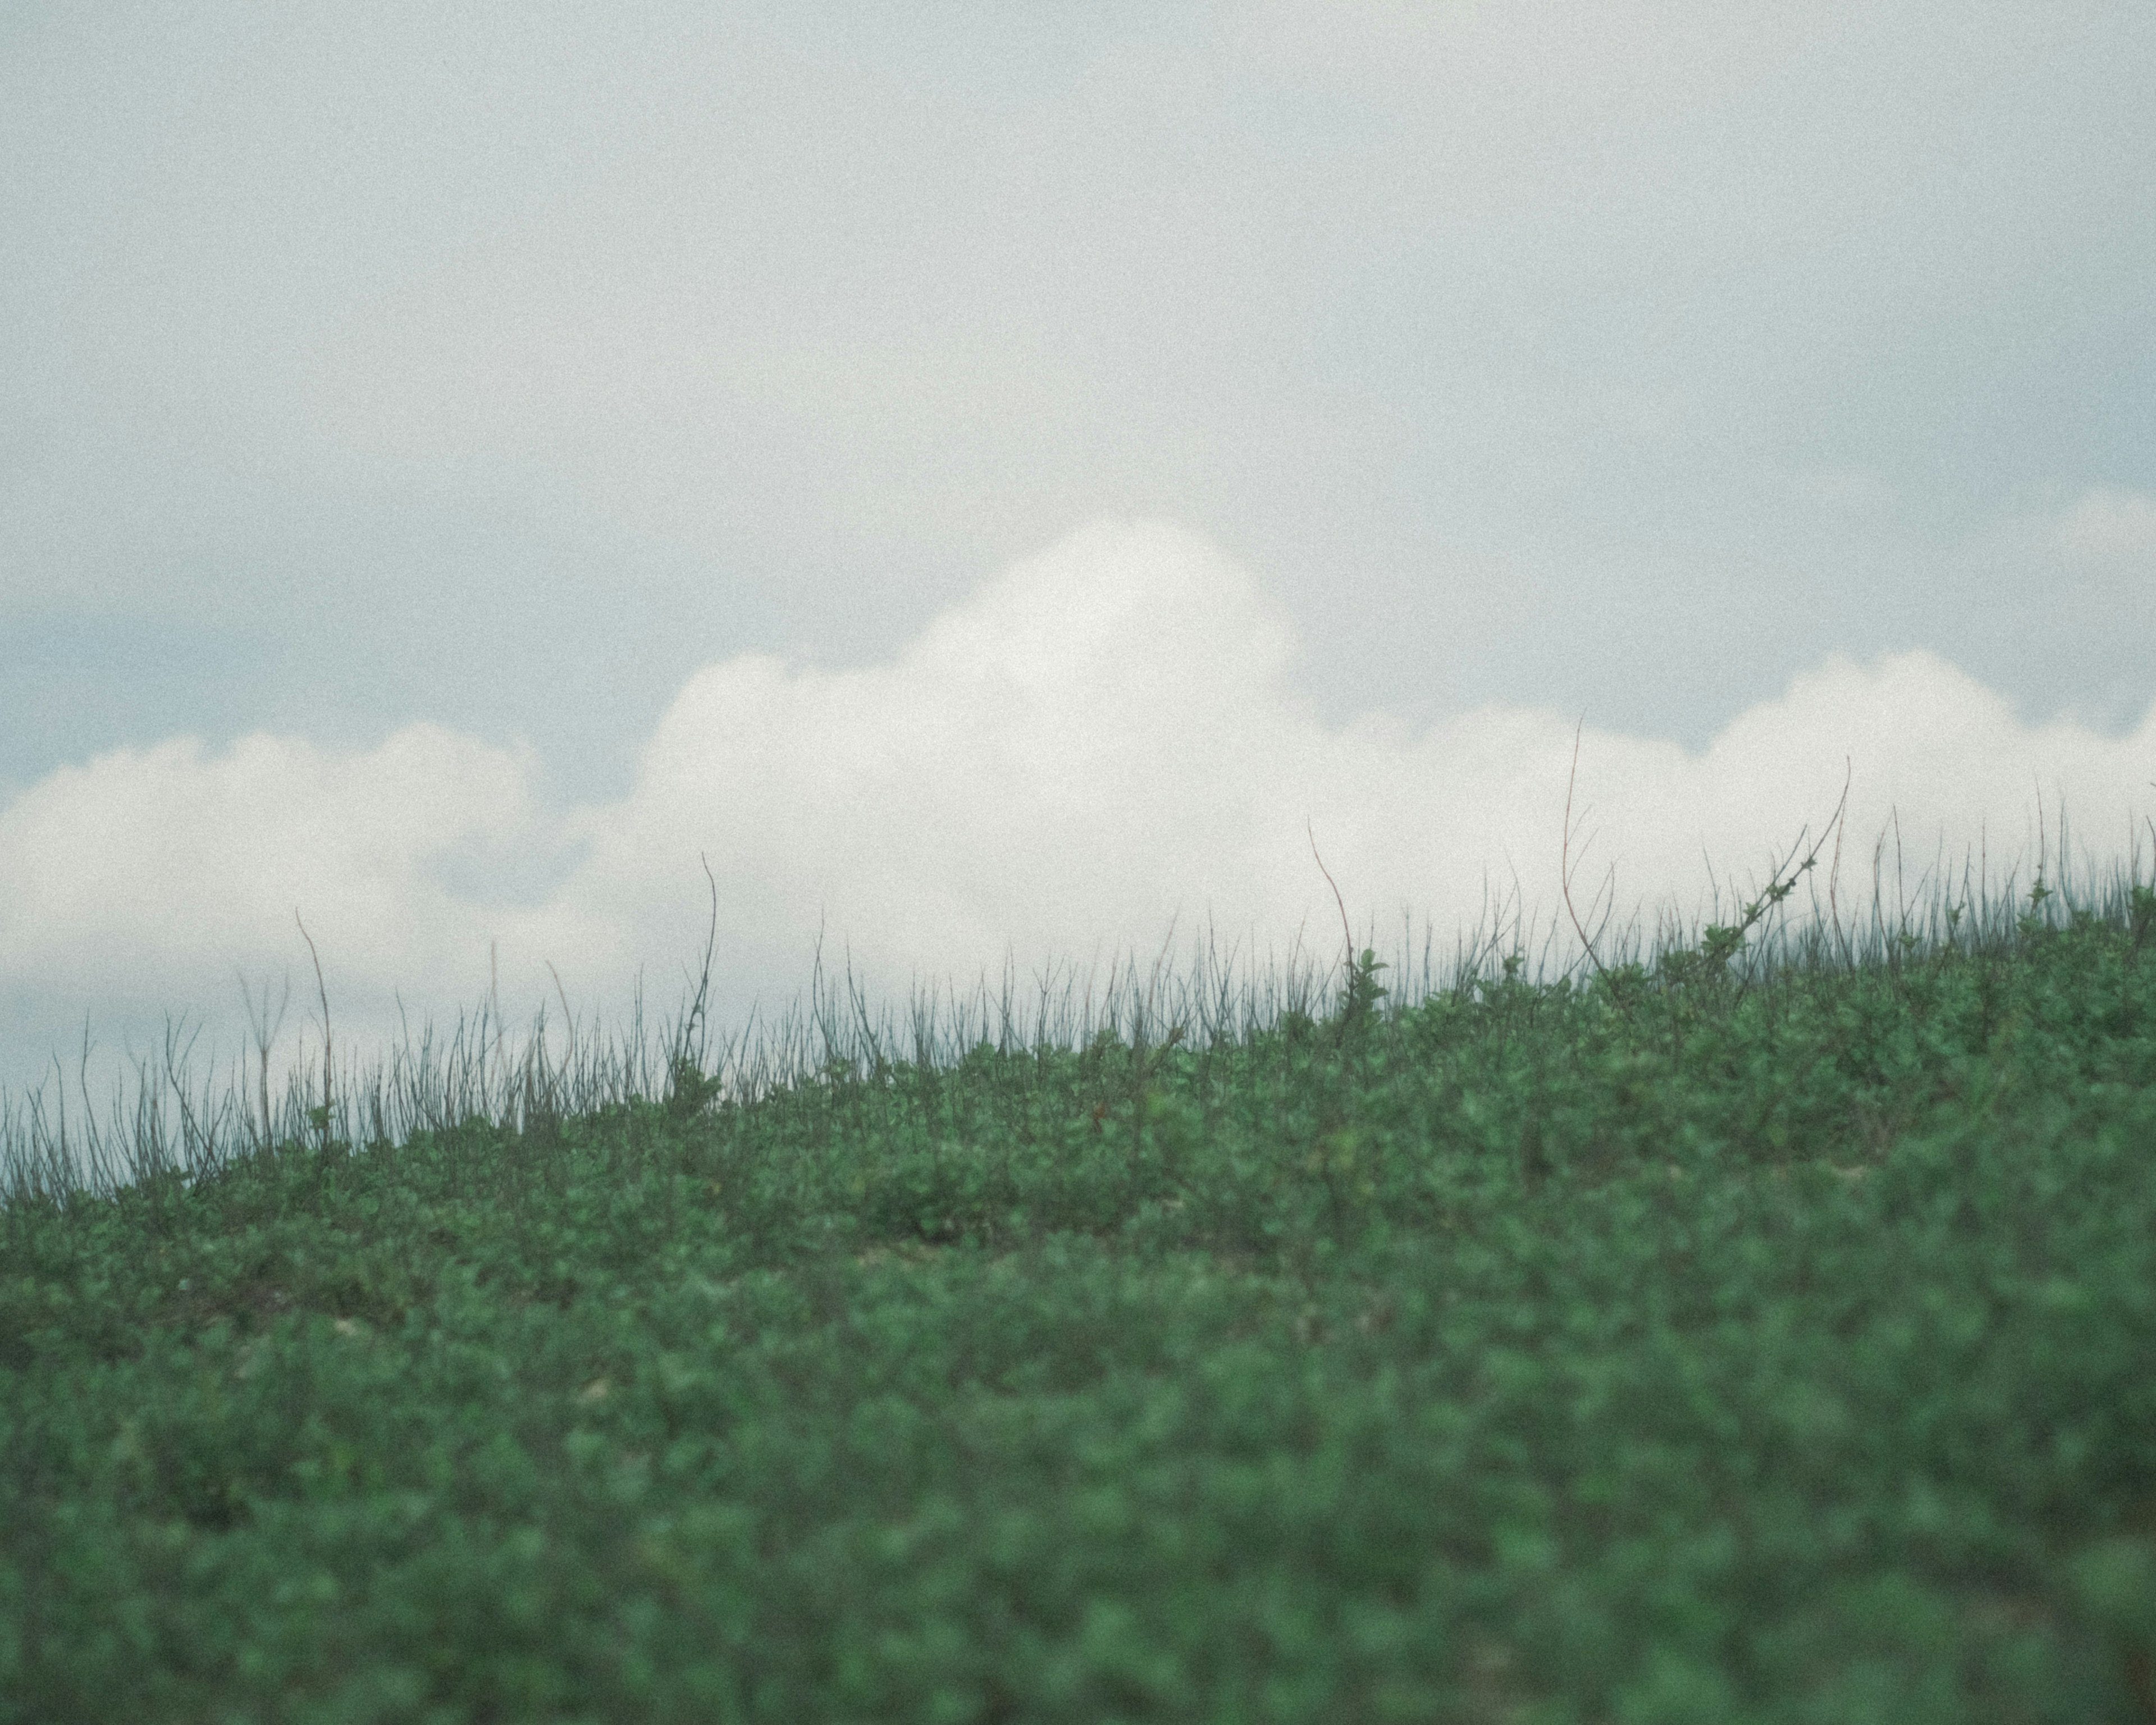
[[1703, 1340]]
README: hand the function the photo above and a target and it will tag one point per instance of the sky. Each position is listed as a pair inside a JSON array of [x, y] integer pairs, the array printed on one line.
[[998, 481]]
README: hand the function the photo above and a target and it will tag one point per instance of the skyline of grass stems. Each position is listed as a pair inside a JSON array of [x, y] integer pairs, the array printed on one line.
[[55, 1146], [1744, 1321]]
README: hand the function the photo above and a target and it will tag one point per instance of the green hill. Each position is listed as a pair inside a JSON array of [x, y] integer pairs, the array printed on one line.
[[1731, 1337]]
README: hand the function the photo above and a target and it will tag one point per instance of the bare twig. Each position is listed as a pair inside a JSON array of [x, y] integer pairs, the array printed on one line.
[[1834, 872], [265, 1030], [568, 1018], [1346, 933], [1361, 992], [711, 944], [328, 1053], [1726, 941], [174, 1062]]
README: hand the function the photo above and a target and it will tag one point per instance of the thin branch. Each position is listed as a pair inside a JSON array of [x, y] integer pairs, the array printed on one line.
[[1346, 933], [328, 1054]]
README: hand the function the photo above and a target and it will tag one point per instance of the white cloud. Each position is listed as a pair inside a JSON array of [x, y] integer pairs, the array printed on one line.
[[1106, 736], [144, 878]]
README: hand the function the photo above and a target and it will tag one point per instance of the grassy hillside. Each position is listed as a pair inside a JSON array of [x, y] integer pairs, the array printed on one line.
[[1723, 1338]]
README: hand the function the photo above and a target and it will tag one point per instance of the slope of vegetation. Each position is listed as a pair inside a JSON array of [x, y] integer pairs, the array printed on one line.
[[1708, 1339]]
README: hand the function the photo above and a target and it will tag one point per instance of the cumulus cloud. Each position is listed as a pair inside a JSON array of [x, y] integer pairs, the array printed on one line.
[[1107, 737], [146, 879]]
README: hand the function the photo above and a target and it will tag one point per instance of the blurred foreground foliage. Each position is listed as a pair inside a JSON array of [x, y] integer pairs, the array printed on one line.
[[1689, 1345]]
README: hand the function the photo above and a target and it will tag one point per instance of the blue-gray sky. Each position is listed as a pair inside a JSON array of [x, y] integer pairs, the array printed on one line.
[[505, 369]]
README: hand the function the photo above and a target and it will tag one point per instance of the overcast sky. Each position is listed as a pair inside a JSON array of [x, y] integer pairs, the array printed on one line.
[[984, 476]]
